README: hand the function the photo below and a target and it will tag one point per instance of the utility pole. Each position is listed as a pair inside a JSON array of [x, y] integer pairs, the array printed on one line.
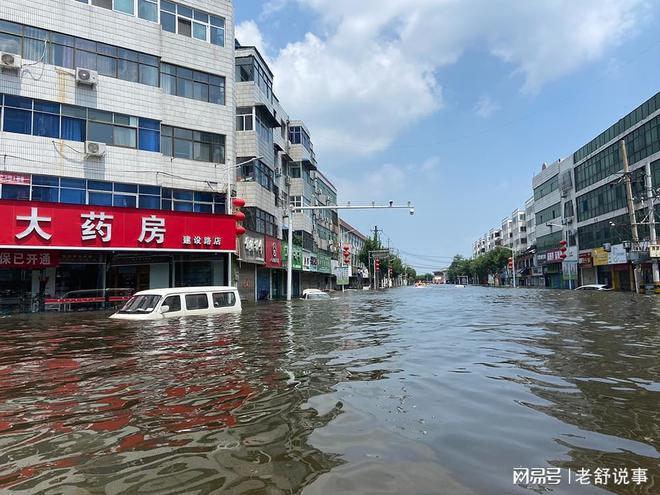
[[631, 208], [653, 236]]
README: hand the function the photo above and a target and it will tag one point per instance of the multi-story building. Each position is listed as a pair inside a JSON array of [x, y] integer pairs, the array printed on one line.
[[600, 212], [518, 231], [325, 232], [260, 153], [493, 239], [117, 138]]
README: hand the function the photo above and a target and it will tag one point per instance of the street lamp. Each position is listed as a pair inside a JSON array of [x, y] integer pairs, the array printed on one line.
[[513, 263], [563, 244]]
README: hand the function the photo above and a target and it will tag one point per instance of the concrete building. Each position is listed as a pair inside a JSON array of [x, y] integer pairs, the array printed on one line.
[[117, 138], [260, 152], [600, 211]]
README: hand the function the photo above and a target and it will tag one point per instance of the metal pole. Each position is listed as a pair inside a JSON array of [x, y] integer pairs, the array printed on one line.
[[653, 235], [513, 262], [631, 206], [289, 259], [228, 208]]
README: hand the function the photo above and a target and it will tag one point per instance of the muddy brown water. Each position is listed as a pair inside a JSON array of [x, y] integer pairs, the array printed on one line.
[[408, 391]]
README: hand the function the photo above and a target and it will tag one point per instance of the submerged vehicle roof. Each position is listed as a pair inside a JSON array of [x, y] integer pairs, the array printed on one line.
[[183, 290]]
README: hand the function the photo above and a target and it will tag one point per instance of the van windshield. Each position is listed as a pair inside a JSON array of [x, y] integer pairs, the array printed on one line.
[[141, 304]]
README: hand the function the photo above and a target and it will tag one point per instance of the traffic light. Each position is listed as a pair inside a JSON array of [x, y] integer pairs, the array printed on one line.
[[239, 215], [562, 248], [510, 263], [377, 265]]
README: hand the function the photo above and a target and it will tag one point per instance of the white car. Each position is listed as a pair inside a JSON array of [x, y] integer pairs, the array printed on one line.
[[156, 304], [315, 294], [594, 287]]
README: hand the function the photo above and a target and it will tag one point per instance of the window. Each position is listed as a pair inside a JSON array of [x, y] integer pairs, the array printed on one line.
[[188, 22], [295, 172], [179, 81], [249, 69], [173, 303], [125, 6], [81, 191], [196, 301], [192, 145], [546, 188], [223, 299], [257, 171], [550, 213], [259, 221], [148, 9], [298, 135], [244, 119]]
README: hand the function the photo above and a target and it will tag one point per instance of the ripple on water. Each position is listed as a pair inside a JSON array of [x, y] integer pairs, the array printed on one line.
[[404, 391]]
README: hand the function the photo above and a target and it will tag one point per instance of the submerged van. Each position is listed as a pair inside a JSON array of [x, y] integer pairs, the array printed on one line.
[[155, 304]]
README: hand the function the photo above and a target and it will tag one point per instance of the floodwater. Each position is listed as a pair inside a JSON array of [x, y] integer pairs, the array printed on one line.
[[438, 390]]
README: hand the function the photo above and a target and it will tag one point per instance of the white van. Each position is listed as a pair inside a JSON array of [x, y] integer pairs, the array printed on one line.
[[155, 304]]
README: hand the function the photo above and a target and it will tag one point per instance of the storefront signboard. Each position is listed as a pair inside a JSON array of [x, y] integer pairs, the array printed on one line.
[[617, 255], [36, 225], [342, 273], [12, 178], [313, 263], [307, 261], [28, 260], [569, 270], [586, 261], [654, 250], [252, 248], [553, 256], [296, 262], [600, 257], [273, 252], [324, 264]]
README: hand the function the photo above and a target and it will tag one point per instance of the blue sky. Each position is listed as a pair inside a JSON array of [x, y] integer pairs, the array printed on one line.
[[453, 105]]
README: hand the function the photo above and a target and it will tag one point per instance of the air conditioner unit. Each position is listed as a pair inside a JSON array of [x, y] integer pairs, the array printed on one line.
[[86, 77], [287, 181], [278, 172], [10, 61], [92, 148], [567, 220]]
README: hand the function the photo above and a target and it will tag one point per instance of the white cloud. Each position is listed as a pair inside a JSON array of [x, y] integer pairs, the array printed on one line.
[[248, 34], [391, 181], [371, 74], [272, 6], [485, 107]]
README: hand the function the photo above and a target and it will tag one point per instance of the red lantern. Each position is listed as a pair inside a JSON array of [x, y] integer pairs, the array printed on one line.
[[347, 254], [510, 263], [239, 215], [377, 265], [562, 248]]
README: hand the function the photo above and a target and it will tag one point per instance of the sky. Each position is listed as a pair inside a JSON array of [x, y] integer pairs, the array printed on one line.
[[453, 105]]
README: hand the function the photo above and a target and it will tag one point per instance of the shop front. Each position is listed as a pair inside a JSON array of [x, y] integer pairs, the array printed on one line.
[[252, 284], [61, 256], [325, 271], [274, 264], [552, 269], [308, 277], [586, 268]]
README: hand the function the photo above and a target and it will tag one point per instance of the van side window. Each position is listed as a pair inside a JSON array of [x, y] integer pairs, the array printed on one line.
[[197, 301], [223, 299], [174, 302]]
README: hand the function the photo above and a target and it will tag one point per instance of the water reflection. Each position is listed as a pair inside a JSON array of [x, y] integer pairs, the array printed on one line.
[[407, 391]]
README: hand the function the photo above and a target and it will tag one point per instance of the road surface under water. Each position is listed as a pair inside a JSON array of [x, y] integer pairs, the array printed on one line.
[[408, 391]]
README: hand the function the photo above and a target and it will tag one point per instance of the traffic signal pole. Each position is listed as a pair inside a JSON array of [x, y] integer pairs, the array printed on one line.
[[298, 209]]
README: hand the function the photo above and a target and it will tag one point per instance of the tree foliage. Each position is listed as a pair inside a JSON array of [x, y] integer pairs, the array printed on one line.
[[479, 268]]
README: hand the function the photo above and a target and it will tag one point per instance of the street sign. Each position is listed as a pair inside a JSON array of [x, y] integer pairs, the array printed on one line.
[[654, 251]]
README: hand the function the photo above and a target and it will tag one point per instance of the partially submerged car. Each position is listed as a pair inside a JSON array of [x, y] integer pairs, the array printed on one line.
[[315, 294], [156, 304], [594, 287]]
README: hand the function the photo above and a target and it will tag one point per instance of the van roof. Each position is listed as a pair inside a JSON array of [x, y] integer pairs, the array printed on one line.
[[184, 290]]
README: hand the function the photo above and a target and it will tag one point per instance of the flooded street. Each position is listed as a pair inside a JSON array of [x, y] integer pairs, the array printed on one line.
[[415, 391]]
